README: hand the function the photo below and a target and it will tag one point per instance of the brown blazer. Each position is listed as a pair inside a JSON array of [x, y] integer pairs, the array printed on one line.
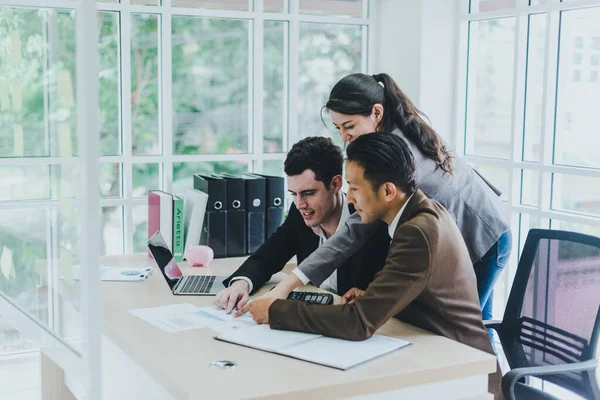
[[427, 281]]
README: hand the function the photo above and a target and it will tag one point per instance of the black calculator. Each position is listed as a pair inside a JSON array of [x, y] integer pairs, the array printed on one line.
[[312, 297]]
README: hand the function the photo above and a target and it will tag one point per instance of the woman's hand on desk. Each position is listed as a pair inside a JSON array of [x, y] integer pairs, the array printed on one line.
[[350, 296], [259, 309], [284, 287], [235, 294]]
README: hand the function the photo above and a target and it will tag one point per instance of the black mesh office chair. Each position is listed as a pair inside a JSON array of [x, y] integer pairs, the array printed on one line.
[[551, 324]]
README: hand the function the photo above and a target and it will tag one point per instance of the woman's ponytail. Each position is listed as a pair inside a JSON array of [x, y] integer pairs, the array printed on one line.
[[400, 111]]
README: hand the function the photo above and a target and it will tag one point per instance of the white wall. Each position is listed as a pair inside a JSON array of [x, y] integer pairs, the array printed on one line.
[[417, 44]]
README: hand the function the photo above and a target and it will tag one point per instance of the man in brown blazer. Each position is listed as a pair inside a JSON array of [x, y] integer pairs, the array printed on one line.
[[428, 279]]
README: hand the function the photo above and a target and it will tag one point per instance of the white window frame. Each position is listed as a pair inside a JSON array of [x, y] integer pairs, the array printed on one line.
[[65, 356], [255, 155], [542, 214]]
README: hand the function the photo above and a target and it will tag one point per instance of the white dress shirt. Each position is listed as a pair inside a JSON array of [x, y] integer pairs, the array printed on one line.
[[394, 224], [330, 284]]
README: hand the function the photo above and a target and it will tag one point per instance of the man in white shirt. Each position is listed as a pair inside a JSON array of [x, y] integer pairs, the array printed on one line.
[[313, 168]]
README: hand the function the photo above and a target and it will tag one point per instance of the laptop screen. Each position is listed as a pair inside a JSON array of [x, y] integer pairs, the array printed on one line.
[[164, 259]]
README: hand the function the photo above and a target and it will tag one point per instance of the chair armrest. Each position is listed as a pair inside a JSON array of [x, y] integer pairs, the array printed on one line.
[[492, 324], [512, 377]]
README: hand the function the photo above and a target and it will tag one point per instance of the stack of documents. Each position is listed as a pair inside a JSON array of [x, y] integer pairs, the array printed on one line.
[[331, 352]]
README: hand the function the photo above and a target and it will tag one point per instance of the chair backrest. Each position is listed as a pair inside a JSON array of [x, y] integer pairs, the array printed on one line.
[[553, 311]]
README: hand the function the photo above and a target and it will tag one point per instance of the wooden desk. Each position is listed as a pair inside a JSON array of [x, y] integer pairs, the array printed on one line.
[[433, 367]]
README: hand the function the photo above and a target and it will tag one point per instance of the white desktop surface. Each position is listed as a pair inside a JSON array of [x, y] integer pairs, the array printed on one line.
[[180, 362]]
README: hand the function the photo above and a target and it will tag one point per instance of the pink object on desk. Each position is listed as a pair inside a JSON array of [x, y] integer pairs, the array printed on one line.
[[199, 256]]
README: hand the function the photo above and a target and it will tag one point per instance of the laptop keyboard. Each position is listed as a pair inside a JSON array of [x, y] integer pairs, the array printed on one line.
[[198, 284]]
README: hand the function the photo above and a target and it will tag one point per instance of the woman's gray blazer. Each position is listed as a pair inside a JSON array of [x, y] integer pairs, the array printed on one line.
[[478, 211]]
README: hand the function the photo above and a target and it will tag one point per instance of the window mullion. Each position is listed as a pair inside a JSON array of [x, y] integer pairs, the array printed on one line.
[[518, 104], [294, 64], [126, 124], [166, 96], [548, 108]]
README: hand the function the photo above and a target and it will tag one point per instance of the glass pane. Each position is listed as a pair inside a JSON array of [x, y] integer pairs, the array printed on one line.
[[529, 187], [145, 74], [273, 167], [145, 178], [527, 222], [578, 91], [140, 228], [217, 4], [579, 194], [275, 5], [23, 245], [351, 8], [22, 51], [211, 56], [67, 225], [68, 294], [497, 176], [14, 342], [110, 180], [29, 182], [65, 181], [61, 92], [38, 48], [183, 172], [534, 90], [146, 2], [490, 83], [537, 2], [275, 94], [327, 54], [491, 5], [573, 227], [112, 231], [110, 124]]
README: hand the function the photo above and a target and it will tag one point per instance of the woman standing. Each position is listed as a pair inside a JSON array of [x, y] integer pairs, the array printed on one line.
[[362, 104]]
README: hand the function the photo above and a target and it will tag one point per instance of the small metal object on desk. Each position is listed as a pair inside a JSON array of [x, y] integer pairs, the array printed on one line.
[[223, 364]]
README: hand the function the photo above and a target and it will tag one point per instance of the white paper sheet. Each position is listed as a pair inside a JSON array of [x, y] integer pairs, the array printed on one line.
[[111, 274], [264, 338], [171, 318], [336, 353], [185, 316], [344, 354], [222, 322]]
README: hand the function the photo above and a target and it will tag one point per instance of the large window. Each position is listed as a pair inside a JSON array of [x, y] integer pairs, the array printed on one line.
[[531, 112], [185, 86]]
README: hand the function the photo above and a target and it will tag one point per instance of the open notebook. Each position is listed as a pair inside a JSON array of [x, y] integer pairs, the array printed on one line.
[[335, 353]]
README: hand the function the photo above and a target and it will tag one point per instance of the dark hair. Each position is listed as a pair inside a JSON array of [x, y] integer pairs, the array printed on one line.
[[384, 158], [356, 94], [318, 154]]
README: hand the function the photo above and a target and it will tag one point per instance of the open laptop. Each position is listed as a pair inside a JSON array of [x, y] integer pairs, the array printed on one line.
[[200, 285]]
